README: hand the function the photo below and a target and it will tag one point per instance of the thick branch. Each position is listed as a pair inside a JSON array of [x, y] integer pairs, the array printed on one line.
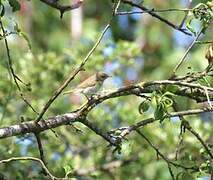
[[80, 114], [33, 127]]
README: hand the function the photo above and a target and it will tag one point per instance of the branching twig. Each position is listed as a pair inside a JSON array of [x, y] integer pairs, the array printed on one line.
[[131, 3], [161, 155], [10, 64], [113, 141], [124, 131], [186, 125], [10, 67], [190, 129], [63, 8]]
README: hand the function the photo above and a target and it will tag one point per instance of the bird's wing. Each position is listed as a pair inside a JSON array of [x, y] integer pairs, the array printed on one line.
[[89, 82]]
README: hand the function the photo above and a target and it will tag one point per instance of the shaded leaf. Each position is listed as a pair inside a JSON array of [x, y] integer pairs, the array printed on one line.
[[2, 10], [160, 111], [15, 5], [143, 107]]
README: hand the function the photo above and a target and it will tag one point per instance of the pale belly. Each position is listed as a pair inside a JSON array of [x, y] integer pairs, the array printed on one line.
[[92, 90]]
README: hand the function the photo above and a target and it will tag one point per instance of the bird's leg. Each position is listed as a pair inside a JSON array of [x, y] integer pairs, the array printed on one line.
[[88, 99]]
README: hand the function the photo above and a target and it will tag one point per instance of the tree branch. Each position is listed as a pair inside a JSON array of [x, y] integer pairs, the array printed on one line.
[[33, 127], [30, 159], [64, 119], [80, 114], [153, 14], [161, 155], [62, 8], [97, 130]]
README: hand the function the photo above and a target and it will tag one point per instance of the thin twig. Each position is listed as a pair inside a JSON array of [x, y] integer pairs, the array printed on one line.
[[160, 154], [11, 70], [204, 42], [30, 159], [124, 131], [153, 14], [186, 53], [115, 9], [170, 171], [179, 83], [190, 129], [186, 14], [15, 78], [40, 147], [180, 142], [10, 64], [153, 10], [186, 125]]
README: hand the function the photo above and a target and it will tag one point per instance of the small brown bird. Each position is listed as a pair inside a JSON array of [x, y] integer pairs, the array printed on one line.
[[91, 85]]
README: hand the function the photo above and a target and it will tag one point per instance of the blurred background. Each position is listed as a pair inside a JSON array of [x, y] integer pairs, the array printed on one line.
[[136, 48]]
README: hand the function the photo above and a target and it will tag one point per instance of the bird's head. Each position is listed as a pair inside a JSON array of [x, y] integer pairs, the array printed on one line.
[[101, 76]]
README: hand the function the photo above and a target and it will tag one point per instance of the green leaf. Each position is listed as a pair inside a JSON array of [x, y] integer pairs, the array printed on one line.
[[67, 168], [190, 28], [15, 5], [160, 111], [167, 102], [143, 107], [172, 88], [2, 10], [187, 176]]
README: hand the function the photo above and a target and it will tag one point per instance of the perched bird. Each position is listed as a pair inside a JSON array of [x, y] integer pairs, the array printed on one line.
[[91, 85]]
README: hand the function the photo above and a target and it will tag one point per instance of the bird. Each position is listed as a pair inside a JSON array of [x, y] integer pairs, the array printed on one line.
[[91, 85]]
